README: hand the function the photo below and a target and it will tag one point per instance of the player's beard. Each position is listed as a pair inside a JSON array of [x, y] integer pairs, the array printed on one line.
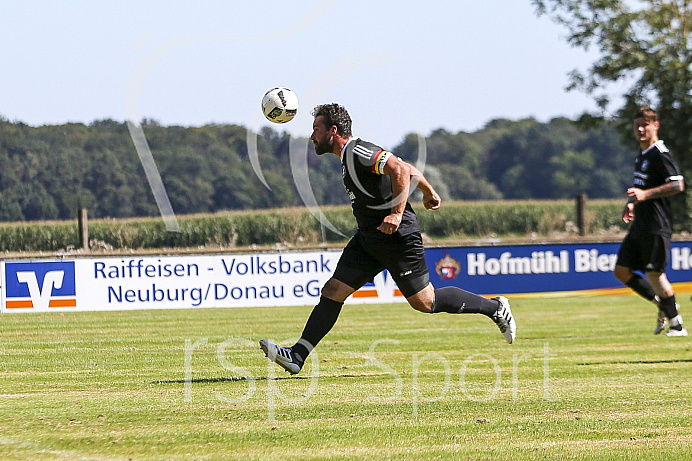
[[323, 147]]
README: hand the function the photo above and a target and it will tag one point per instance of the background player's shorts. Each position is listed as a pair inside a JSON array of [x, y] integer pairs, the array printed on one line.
[[366, 255], [644, 252]]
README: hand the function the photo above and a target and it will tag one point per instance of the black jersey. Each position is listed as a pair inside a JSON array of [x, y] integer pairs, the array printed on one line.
[[369, 189], [652, 168]]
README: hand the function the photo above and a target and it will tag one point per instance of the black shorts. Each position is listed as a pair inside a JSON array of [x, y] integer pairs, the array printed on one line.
[[366, 255], [644, 252]]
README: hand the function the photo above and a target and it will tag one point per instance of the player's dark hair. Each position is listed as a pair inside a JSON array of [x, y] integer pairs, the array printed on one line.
[[647, 113], [335, 115]]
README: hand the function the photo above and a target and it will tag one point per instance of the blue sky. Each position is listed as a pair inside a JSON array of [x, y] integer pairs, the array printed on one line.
[[397, 66]]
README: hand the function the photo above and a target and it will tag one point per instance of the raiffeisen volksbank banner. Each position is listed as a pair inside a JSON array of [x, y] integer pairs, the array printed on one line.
[[295, 278], [136, 282]]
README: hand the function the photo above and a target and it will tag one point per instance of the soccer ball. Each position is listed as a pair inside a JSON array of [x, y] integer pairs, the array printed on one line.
[[280, 105]]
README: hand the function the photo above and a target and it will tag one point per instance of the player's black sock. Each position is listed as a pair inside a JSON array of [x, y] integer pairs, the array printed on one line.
[[668, 307], [641, 286], [454, 300], [321, 320]]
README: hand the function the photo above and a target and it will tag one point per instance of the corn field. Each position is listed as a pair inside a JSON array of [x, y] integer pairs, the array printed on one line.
[[295, 227]]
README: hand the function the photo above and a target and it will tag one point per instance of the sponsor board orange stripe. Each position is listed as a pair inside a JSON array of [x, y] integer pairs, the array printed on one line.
[[568, 294], [373, 293], [18, 304], [62, 303], [683, 287], [27, 303], [680, 288]]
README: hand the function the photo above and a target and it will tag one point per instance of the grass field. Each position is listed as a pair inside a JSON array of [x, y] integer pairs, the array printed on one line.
[[586, 379]]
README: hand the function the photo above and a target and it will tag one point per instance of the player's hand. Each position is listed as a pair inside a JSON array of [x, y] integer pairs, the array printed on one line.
[[628, 213], [636, 195], [431, 201], [390, 223]]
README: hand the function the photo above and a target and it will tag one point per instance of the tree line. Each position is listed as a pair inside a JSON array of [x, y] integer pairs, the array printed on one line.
[[50, 172]]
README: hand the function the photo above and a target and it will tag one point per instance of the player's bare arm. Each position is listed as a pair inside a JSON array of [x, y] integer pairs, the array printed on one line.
[[431, 200], [400, 174], [670, 188]]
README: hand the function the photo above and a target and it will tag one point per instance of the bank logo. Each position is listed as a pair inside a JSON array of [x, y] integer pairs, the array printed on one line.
[[40, 285], [448, 268]]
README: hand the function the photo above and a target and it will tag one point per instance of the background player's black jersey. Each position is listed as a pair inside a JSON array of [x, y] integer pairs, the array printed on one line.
[[369, 189], [652, 168]]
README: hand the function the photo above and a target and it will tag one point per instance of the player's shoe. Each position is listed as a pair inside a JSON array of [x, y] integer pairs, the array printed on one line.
[[282, 356], [504, 319], [676, 328], [675, 332], [661, 323]]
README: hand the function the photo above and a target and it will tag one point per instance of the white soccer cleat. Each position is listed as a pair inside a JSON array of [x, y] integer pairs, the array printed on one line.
[[676, 328], [504, 319], [674, 332], [282, 356]]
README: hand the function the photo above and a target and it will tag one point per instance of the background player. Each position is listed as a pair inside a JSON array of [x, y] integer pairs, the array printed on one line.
[[647, 244]]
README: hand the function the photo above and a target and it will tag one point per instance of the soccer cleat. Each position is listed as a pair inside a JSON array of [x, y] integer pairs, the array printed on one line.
[[674, 332], [282, 356], [504, 320], [676, 328], [661, 323]]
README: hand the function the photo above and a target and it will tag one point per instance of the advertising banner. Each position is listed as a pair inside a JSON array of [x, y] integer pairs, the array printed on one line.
[[516, 269], [296, 278], [163, 282]]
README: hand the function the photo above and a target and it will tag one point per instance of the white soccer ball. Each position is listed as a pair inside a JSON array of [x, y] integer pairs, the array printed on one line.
[[280, 105]]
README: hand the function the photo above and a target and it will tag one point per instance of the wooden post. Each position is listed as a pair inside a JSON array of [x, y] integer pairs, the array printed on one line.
[[581, 215], [83, 229]]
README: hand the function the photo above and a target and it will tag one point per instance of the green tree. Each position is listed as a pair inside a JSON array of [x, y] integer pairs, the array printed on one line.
[[231, 191], [463, 185], [644, 45]]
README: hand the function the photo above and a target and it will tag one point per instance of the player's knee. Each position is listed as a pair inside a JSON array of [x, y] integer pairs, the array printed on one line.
[[623, 274], [426, 308], [336, 290], [423, 300]]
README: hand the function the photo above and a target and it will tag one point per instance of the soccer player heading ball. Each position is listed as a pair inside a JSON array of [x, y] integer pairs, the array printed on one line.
[[647, 244], [388, 237]]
